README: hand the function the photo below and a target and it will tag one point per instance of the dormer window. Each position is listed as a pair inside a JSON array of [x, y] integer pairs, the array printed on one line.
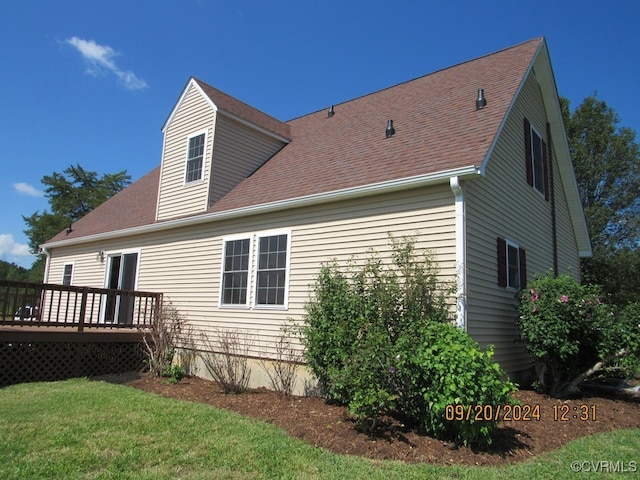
[[195, 156]]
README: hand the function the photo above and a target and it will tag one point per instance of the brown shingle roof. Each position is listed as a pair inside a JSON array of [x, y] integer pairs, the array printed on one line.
[[134, 206], [437, 129], [227, 103]]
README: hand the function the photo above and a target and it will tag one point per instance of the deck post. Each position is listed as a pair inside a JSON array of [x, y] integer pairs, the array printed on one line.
[[83, 308]]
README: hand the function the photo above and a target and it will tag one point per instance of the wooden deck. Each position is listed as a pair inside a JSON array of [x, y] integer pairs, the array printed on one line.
[[52, 332], [28, 304], [29, 333]]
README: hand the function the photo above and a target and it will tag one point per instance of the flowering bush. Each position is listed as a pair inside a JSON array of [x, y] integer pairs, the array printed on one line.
[[571, 332], [378, 338]]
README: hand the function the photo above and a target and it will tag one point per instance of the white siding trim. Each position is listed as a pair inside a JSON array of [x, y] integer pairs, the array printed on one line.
[[190, 83], [158, 196], [461, 253]]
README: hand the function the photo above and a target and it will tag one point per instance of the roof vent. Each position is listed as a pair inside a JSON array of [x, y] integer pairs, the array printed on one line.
[[330, 112], [481, 102], [390, 130]]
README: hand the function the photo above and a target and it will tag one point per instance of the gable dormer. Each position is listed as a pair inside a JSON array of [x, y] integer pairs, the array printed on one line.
[[211, 143]]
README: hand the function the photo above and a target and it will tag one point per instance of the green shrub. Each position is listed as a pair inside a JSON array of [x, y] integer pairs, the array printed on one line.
[[378, 338], [174, 372], [572, 334], [447, 367], [366, 307]]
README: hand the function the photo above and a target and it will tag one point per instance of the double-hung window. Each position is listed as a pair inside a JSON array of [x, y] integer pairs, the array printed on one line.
[[536, 159], [271, 270], [235, 273], [512, 265], [67, 274], [195, 157], [255, 276]]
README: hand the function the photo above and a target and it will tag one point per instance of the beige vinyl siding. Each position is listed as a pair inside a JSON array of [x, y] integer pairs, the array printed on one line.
[[518, 213], [175, 198], [185, 263], [238, 151]]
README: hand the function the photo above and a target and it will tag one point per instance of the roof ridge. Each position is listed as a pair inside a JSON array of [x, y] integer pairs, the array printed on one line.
[[375, 92]]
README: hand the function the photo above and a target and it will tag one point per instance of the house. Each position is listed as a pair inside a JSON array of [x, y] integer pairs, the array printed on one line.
[[235, 223]]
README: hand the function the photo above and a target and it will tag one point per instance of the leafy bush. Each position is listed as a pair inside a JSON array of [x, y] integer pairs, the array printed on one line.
[[623, 329], [378, 337], [447, 367], [573, 334], [366, 308], [174, 372]]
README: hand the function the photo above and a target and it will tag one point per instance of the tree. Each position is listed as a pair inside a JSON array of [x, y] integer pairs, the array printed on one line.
[[11, 271], [606, 161], [71, 195]]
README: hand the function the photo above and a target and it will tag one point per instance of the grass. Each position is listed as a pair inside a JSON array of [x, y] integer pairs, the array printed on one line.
[[83, 429]]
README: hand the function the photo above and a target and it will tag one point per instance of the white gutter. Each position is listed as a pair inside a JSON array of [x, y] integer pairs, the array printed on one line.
[[461, 253], [336, 195]]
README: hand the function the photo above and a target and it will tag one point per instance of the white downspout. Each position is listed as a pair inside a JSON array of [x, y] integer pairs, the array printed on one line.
[[461, 253], [47, 254]]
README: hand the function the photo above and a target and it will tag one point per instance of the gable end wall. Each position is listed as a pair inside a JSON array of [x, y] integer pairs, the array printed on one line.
[[502, 204]]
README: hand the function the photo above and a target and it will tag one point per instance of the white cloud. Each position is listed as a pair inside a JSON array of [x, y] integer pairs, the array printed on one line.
[[11, 251], [27, 189], [100, 59]]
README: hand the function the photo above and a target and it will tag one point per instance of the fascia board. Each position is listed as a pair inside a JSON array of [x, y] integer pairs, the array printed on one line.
[[191, 83], [548, 86], [309, 200]]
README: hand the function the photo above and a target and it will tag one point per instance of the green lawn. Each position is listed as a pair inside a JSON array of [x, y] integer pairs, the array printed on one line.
[[84, 429]]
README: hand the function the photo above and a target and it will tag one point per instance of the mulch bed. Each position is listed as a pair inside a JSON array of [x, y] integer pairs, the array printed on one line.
[[320, 424]]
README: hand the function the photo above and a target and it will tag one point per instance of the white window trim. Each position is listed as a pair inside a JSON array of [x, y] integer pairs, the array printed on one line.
[[204, 157], [252, 277], [247, 303], [509, 243], [73, 271], [271, 233], [533, 162]]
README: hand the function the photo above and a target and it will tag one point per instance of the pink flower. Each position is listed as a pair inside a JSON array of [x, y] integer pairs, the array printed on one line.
[[563, 299], [535, 297], [535, 309]]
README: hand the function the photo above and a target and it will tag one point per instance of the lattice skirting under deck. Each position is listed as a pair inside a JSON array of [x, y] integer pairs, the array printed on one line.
[[49, 361]]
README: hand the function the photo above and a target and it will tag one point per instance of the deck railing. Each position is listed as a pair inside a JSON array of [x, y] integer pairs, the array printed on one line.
[[45, 304]]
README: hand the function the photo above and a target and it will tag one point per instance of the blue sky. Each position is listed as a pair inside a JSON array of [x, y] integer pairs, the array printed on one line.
[[92, 82]]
